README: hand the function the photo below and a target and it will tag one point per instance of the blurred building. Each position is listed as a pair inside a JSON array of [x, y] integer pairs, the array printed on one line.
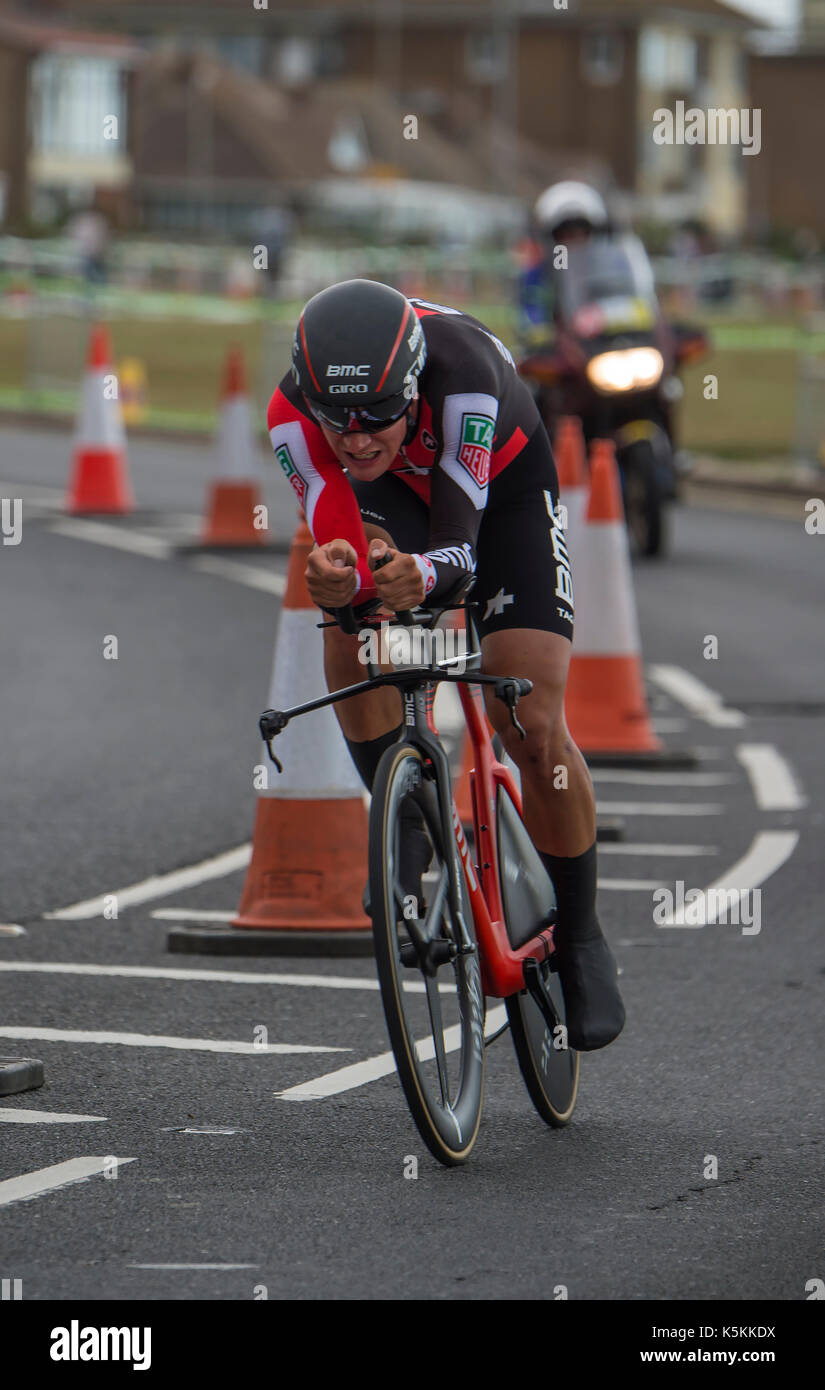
[[788, 81], [237, 101]]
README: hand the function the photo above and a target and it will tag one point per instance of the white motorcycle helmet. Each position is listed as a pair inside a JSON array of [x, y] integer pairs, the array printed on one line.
[[570, 202]]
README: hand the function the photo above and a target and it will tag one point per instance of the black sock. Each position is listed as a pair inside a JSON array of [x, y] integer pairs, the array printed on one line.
[[574, 880], [367, 755]]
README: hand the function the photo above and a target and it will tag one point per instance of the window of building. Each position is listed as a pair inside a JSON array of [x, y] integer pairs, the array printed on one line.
[[668, 59], [296, 61], [71, 99], [486, 56], [602, 56]]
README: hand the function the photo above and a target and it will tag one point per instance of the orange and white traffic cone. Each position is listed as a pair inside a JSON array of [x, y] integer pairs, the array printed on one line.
[[606, 704], [309, 849], [571, 465], [99, 479], [231, 516]]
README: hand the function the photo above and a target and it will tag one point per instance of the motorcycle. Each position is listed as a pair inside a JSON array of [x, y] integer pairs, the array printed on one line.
[[614, 362]]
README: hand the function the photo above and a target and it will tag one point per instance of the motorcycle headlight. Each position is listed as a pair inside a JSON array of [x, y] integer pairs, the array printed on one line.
[[631, 369]]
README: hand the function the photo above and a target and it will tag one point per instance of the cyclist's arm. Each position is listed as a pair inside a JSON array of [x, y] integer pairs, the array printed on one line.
[[319, 483], [465, 424]]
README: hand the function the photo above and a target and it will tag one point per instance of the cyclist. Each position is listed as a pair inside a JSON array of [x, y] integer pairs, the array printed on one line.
[[566, 214], [405, 430]]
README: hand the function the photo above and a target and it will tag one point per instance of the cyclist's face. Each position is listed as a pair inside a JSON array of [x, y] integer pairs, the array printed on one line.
[[367, 456]]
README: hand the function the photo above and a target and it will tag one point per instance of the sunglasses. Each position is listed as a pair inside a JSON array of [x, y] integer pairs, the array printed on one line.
[[366, 419]]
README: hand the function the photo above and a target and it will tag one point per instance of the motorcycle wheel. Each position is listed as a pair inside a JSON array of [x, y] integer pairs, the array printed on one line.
[[643, 502]]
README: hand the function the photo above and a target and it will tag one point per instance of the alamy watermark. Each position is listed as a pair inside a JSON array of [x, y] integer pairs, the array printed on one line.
[[414, 646], [692, 125], [699, 907]]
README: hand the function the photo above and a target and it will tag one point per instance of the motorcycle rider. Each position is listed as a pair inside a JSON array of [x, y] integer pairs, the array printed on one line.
[[566, 214]]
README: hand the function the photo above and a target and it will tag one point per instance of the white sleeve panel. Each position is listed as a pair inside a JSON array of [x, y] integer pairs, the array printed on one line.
[[468, 426], [292, 453]]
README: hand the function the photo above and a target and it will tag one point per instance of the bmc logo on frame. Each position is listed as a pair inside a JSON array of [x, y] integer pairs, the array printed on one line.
[[287, 462], [475, 445]]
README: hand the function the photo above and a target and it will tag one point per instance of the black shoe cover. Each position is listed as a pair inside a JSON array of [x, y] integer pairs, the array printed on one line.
[[593, 1004]]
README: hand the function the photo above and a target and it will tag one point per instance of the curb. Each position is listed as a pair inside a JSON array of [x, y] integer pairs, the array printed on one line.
[[265, 941]]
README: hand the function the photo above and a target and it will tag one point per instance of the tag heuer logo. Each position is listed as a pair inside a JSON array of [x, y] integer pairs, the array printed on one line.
[[476, 443], [287, 462]]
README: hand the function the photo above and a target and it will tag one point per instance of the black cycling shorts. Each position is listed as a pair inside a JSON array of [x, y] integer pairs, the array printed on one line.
[[523, 577]]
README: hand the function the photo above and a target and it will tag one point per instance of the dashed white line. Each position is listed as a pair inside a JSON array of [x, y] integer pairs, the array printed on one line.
[[774, 786], [200, 1266], [99, 533], [661, 779], [45, 1117], [192, 914], [158, 885], [629, 885], [11, 929], [658, 851], [347, 1078], [158, 972], [250, 575], [696, 696], [229, 977], [35, 1184], [82, 1035], [659, 808], [768, 852]]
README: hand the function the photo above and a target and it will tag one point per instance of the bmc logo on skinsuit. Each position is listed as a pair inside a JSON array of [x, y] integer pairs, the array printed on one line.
[[287, 462], [474, 448], [348, 369]]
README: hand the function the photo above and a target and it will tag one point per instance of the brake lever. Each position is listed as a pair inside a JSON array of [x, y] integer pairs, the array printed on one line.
[[271, 723], [510, 692]]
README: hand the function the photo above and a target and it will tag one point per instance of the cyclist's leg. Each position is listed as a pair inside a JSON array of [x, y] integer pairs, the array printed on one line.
[[525, 595]]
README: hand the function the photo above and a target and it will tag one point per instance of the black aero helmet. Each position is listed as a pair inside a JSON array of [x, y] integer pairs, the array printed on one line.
[[357, 354]]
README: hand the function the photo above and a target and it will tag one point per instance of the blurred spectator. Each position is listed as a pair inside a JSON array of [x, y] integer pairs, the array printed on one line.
[[272, 228], [89, 232]]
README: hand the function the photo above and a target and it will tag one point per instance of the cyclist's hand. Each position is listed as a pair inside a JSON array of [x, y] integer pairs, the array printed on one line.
[[331, 574], [400, 584]]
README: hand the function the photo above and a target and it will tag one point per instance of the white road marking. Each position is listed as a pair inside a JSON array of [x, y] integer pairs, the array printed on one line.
[[661, 779], [347, 1078], [653, 851], [58, 1175], [45, 1117], [249, 575], [696, 696], [191, 1266], [11, 929], [33, 493], [774, 785], [768, 852], [100, 533], [192, 914], [159, 885], [629, 885], [194, 1129], [227, 977], [80, 1035], [658, 808]]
